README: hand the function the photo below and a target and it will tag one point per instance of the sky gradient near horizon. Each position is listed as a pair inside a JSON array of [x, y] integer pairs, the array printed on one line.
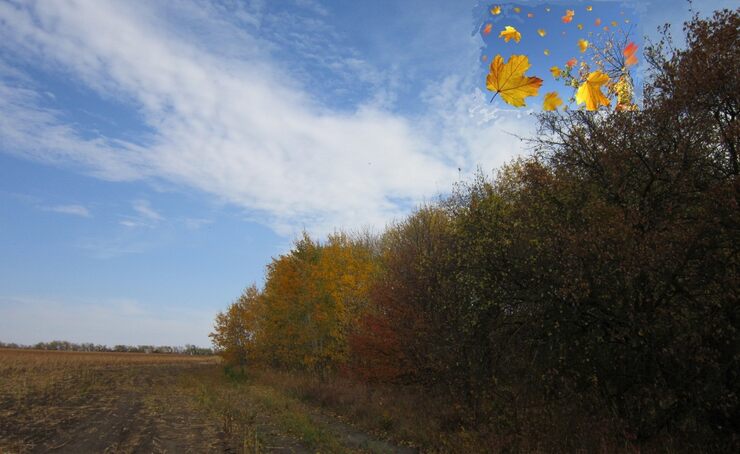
[[154, 155]]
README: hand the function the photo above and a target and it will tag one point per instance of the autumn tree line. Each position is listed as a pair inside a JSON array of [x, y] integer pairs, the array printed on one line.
[[592, 284]]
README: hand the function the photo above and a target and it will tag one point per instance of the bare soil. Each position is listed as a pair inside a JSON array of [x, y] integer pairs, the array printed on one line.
[[62, 403]]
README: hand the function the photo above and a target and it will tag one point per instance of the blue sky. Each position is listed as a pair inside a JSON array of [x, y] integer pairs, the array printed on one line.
[[155, 155]]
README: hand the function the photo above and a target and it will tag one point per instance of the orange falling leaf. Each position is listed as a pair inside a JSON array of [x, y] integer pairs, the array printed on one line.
[[541, 32], [597, 22], [510, 33], [571, 63], [508, 80], [606, 28], [496, 10], [555, 72], [629, 53], [487, 29], [582, 45], [484, 58], [552, 101], [590, 91], [530, 15], [568, 18]]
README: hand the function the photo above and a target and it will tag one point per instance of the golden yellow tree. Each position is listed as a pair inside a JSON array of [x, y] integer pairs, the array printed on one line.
[[235, 331]]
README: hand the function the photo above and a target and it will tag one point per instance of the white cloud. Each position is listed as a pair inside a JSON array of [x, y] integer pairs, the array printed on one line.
[[145, 216], [145, 210], [239, 127], [196, 223], [28, 320], [76, 210]]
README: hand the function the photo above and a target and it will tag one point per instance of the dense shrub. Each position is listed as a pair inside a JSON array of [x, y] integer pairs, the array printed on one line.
[[590, 287]]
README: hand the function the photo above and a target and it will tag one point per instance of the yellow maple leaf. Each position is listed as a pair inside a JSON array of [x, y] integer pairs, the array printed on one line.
[[510, 33], [582, 45], [555, 72], [541, 32], [552, 101], [590, 91], [496, 10], [508, 79]]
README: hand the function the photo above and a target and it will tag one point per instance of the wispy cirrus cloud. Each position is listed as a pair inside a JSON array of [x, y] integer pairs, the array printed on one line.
[[232, 120], [75, 210], [145, 215]]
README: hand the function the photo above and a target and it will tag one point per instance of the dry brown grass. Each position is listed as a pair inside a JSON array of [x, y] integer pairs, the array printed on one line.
[[407, 415]]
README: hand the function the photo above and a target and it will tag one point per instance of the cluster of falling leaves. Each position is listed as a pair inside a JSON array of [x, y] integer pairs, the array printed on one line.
[[508, 78]]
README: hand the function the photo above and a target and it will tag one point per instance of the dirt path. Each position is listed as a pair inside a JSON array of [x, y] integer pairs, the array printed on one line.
[[169, 408], [354, 439]]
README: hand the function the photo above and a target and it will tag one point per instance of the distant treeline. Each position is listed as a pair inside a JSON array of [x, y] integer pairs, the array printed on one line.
[[585, 298], [66, 346]]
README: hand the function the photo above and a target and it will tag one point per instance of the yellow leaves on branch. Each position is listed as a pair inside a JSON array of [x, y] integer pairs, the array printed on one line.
[[624, 91], [510, 33], [590, 91], [552, 101], [508, 80]]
